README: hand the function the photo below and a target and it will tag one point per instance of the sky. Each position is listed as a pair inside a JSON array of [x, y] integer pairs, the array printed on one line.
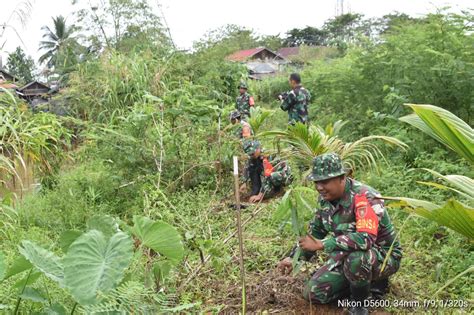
[[189, 20]]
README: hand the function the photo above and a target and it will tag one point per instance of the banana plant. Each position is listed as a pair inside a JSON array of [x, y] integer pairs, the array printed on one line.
[[95, 262]]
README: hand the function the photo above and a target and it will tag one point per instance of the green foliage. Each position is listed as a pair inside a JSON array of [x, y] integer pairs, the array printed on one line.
[[94, 264], [159, 236], [20, 65], [445, 127], [45, 261], [3, 268], [308, 142]]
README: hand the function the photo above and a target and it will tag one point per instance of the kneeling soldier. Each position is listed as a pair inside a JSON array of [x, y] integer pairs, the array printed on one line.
[[267, 174], [354, 228]]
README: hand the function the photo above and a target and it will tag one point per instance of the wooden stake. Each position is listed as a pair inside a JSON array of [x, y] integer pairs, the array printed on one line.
[[239, 232]]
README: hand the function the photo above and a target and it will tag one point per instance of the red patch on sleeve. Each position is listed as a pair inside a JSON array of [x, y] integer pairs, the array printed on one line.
[[251, 101], [366, 219], [268, 167]]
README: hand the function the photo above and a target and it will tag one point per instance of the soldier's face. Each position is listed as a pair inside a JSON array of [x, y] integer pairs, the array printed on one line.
[[233, 121], [292, 83], [331, 189], [241, 90]]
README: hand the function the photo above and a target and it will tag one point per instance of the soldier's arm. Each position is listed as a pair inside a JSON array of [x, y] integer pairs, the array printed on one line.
[[288, 102], [368, 215]]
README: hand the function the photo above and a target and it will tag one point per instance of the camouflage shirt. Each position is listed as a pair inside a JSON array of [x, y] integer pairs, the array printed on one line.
[[357, 222], [274, 172], [243, 103], [296, 104]]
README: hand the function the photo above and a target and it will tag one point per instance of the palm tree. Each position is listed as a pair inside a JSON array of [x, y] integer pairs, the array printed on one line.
[[307, 142], [55, 41]]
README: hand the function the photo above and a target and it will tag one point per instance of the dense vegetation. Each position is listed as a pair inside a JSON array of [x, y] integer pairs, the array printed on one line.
[[144, 155]]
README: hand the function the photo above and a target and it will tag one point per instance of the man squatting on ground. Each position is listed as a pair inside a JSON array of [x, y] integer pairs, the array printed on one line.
[[354, 229]]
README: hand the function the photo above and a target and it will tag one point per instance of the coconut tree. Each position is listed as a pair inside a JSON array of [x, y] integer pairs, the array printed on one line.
[[56, 40]]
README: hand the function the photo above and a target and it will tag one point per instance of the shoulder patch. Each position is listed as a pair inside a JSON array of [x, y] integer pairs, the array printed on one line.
[[366, 218]]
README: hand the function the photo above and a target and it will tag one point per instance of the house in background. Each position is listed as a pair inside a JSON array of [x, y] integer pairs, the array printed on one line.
[[36, 93], [260, 62], [7, 81]]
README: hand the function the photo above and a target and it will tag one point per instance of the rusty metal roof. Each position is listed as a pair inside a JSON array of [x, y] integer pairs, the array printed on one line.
[[243, 55]]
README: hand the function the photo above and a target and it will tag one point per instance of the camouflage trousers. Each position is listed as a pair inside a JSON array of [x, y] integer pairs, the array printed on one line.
[[343, 269]]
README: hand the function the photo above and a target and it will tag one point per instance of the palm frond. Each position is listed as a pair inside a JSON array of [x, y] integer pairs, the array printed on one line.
[[445, 127], [454, 215]]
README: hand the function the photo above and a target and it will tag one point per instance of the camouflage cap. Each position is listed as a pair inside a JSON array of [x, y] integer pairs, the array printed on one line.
[[250, 146], [234, 115], [243, 85], [326, 166]]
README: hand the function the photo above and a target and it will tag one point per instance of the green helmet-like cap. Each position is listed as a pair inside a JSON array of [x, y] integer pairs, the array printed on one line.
[[326, 166], [243, 85], [250, 146], [234, 115]]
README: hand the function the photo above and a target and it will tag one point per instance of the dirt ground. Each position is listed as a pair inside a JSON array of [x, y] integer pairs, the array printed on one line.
[[277, 294]]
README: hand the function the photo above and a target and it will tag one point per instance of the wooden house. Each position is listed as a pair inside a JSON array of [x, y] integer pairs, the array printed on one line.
[[260, 61]]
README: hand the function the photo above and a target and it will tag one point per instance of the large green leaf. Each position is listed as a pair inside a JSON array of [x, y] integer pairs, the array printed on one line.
[[95, 263], [453, 214], [159, 236], [44, 260], [462, 185], [445, 127], [19, 265]]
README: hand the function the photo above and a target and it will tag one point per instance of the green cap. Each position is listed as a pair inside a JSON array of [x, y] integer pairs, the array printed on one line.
[[234, 115], [326, 166], [250, 146], [243, 85]]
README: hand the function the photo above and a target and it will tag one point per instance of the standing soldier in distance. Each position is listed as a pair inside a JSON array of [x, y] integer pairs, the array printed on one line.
[[296, 101], [354, 228], [244, 101], [244, 130]]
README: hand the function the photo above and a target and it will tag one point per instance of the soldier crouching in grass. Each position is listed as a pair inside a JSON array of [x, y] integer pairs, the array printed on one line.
[[353, 227], [267, 174]]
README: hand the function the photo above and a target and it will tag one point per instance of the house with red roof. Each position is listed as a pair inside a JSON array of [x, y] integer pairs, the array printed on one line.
[[260, 61]]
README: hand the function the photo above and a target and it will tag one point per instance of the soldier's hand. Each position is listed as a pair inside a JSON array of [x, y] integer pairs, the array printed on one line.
[[280, 97], [256, 198], [310, 244], [286, 265]]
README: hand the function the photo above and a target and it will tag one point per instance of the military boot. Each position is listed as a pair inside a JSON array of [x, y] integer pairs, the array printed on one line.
[[378, 288], [359, 295]]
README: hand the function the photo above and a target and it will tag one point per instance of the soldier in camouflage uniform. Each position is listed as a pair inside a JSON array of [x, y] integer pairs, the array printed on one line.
[[354, 228], [244, 101], [267, 174], [243, 129], [296, 101]]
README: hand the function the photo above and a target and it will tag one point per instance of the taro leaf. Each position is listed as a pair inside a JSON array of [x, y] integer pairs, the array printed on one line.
[[34, 295], [159, 236], [95, 263], [19, 265], [56, 309], [104, 223], [3, 267], [28, 279], [46, 261], [67, 238]]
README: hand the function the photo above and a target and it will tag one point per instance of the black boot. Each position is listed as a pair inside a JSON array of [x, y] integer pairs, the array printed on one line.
[[378, 288], [359, 295]]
